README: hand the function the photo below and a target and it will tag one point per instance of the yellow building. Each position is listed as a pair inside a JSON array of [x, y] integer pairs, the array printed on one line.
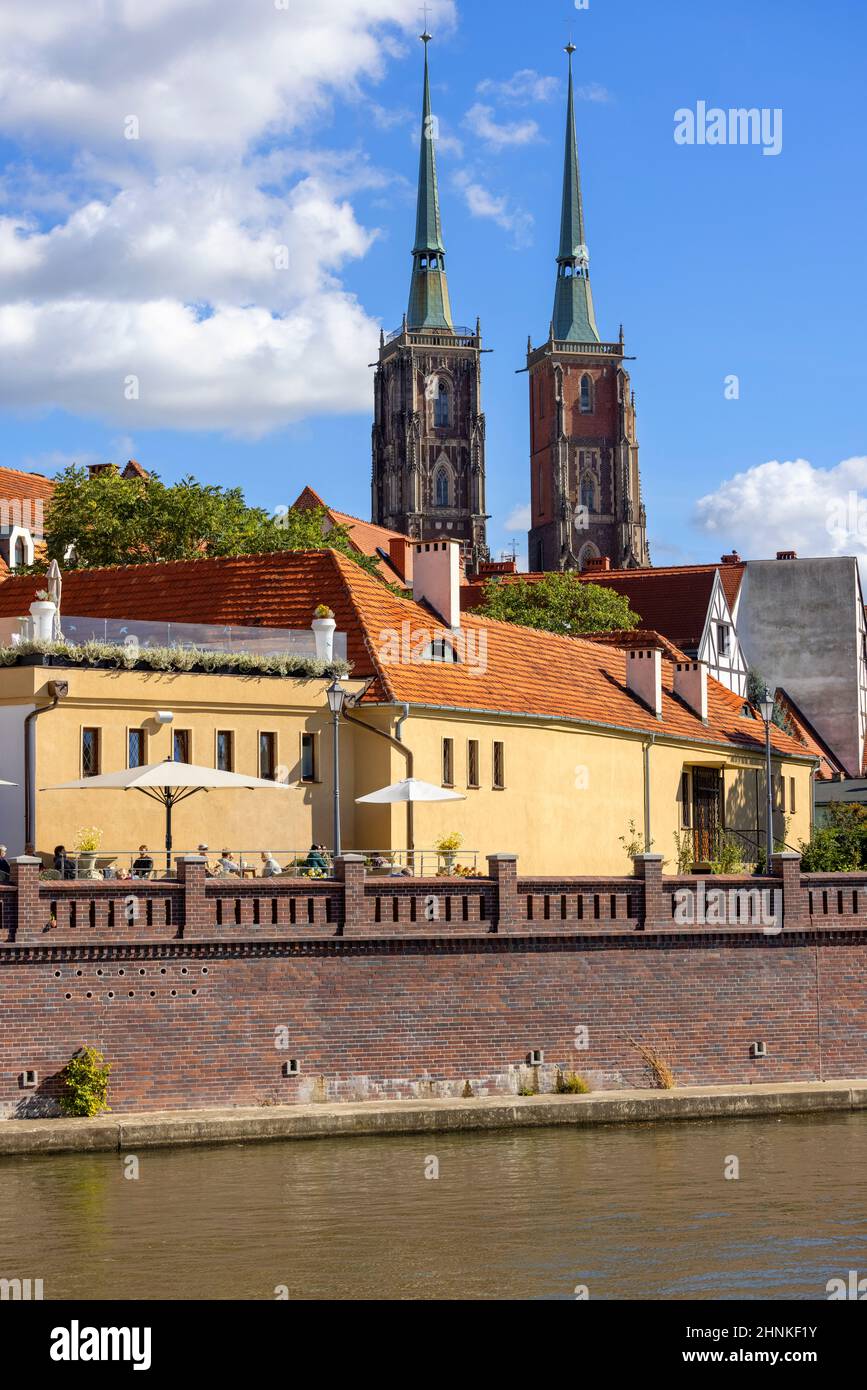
[[569, 752]]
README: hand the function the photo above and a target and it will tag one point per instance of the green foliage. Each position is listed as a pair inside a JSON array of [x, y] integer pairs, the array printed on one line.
[[632, 841], [571, 1084], [467, 1092], [558, 603], [175, 659], [685, 850], [85, 1083], [841, 845], [111, 520], [757, 690], [729, 858]]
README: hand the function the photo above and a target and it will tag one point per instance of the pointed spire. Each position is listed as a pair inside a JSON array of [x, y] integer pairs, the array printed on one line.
[[429, 305], [574, 319]]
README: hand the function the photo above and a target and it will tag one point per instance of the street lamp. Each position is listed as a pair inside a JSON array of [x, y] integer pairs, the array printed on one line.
[[766, 706], [336, 698]]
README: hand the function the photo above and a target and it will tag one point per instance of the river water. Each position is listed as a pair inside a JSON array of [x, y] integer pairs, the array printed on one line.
[[625, 1212]]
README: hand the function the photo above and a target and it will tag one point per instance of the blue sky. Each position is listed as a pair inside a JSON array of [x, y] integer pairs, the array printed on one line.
[[262, 127]]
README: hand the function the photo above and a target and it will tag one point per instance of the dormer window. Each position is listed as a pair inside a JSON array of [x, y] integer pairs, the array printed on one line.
[[440, 650]]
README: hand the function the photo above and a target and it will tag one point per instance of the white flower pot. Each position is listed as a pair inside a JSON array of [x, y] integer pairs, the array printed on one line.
[[323, 633], [42, 612]]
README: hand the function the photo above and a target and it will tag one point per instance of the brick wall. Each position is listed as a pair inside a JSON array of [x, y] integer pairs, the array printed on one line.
[[195, 1014]]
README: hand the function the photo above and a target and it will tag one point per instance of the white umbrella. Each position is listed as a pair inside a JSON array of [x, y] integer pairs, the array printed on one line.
[[167, 782], [411, 789], [55, 589], [7, 784]]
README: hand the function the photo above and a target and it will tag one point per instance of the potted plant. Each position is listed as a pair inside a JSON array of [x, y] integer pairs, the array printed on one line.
[[323, 631], [87, 843], [42, 611], [446, 847]]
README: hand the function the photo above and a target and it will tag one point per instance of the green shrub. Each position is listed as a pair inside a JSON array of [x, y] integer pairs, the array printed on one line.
[[571, 1084], [729, 858], [85, 1083]]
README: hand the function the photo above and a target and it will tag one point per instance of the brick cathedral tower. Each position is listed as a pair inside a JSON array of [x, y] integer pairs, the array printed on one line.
[[585, 490], [428, 476]]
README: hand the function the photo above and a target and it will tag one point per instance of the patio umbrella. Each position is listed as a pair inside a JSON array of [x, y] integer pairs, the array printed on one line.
[[55, 590], [411, 789], [168, 782]]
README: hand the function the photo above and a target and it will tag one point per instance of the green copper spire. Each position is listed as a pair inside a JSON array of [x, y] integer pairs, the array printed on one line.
[[429, 305], [574, 319]]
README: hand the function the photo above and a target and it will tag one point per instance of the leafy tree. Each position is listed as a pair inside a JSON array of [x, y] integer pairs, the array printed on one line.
[[558, 603], [110, 520], [841, 844]]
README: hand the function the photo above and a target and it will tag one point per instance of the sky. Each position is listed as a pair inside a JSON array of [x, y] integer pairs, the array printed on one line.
[[207, 213]]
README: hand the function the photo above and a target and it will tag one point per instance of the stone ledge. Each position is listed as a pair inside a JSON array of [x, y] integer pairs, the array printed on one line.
[[127, 1132]]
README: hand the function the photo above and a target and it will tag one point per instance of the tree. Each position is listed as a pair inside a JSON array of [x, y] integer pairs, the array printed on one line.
[[110, 520], [558, 603]]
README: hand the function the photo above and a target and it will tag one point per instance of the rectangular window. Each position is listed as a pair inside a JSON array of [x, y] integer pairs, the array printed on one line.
[[792, 795], [448, 762], [225, 750], [499, 766], [473, 763], [308, 757], [268, 757], [90, 752], [723, 639], [686, 805], [779, 793], [136, 748], [181, 746]]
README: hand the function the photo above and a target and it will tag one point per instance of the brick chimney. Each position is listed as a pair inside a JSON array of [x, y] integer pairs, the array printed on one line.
[[732, 559], [787, 555], [644, 677], [94, 469], [690, 683], [400, 555], [597, 564], [436, 578]]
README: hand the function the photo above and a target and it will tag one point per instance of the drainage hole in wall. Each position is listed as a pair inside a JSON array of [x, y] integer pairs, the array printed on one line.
[[89, 995], [194, 991], [184, 970], [79, 972], [204, 970], [68, 996], [57, 974], [111, 994], [174, 991]]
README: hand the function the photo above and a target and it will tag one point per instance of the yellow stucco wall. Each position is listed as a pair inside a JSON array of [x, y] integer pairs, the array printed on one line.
[[570, 791]]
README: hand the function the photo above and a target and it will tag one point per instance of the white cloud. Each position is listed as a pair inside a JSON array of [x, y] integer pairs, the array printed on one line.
[[189, 258], [521, 88], [480, 120], [518, 518], [790, 506], [594, 91], [498, 207]]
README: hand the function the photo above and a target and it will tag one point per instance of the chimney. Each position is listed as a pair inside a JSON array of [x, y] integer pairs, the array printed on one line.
[[436, 578], [690, 683], [644, 677], [400, 555], [787, 555], [595, 564], [732, 559], [94, 469]]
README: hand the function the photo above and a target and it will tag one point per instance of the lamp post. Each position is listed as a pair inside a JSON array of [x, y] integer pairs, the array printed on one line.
[[336, 697], [766, 705]]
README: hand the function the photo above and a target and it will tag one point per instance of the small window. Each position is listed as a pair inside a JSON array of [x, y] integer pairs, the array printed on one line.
[[19, 554], [588, 493], [448, 762], [473, 763], [791, 795], [90, 752], [308, 757], [499, 766], [441, 488], [268, 757], [442, 414], [136, 748], [779, 784], [440, 650], [586, 395], [181, 746], [225, 750], [723, 639], [685, 802]]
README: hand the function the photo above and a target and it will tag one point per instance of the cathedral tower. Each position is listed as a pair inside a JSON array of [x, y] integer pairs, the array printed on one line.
[[428, 476], [585, 490]]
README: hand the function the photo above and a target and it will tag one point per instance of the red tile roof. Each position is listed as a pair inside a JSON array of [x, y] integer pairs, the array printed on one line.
[[366, 538], [16, 486], [509, 669], [673, 600]]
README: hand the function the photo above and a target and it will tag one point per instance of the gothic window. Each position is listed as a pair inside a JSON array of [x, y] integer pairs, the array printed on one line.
[[442, 414], [588, 493], [20, 553], [441, 487], [588, 552], [586, 395]]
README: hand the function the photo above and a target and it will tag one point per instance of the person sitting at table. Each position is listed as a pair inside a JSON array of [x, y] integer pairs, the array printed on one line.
[[144, 864], [270, 867], [61, 863], [227, 863], [5, 870], [316, 858]]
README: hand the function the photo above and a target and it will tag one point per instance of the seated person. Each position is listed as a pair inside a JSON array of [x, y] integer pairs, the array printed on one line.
[[144, 864], [270, 867], [5, 870], [227, 863], [316, 858], [61, 862]]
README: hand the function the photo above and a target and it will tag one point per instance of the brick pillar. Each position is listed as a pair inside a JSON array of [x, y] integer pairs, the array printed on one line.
[[350, 871], [31, 916], [648, 868], [195, 919], [796, 907], [503, 869]]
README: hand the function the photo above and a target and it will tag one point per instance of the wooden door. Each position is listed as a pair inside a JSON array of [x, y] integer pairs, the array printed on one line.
[[706, 789]]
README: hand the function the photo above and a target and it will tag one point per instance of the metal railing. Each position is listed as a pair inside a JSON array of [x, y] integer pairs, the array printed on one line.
[[121, 865], [209, 637]]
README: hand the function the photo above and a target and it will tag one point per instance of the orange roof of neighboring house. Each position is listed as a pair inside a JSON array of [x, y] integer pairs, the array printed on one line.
[[508, 669], [367, 538], [16, 486], [829, 765], [673, 600]]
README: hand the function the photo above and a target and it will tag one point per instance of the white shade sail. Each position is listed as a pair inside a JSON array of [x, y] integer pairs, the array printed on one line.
[[411, 789], [7, 784]]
